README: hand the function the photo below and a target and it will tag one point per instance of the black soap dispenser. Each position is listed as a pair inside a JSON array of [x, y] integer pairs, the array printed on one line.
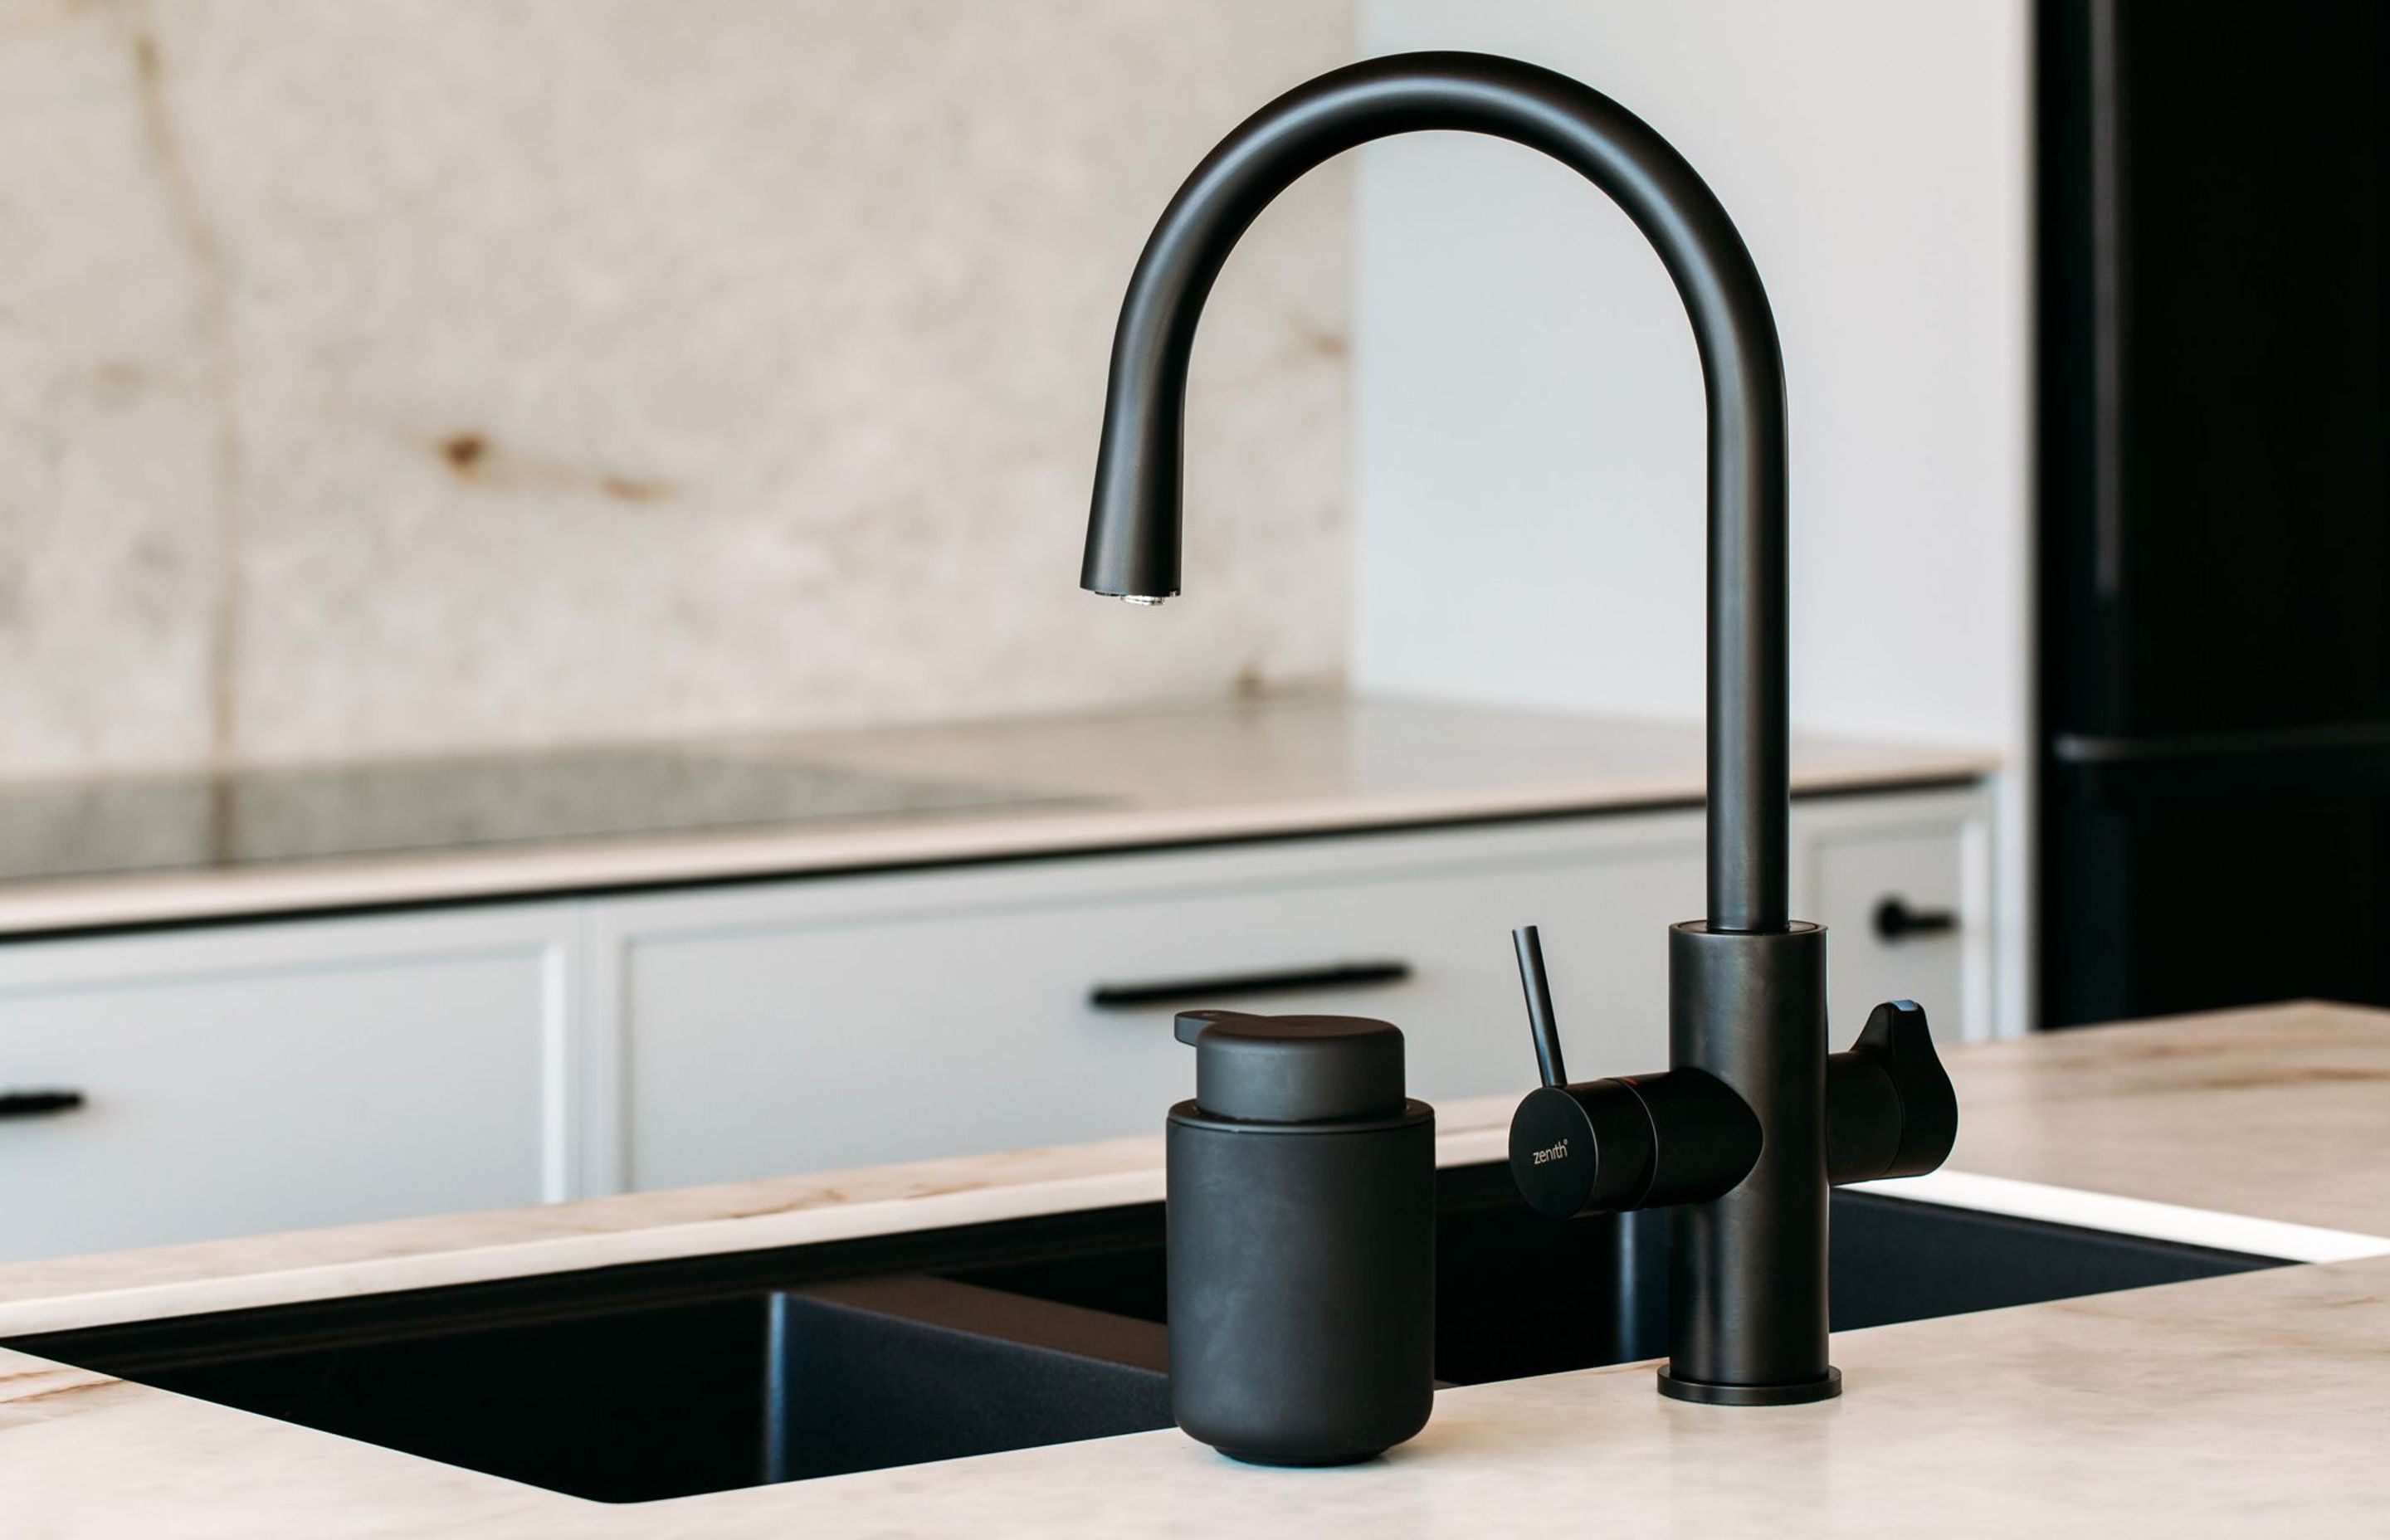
[[1302, 1241]]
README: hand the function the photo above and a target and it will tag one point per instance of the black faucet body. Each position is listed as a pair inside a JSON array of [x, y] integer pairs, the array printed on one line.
[[1741, 1135]]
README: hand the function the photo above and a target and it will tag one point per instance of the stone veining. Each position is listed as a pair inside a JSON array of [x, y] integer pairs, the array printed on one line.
[[215, 319], [477, 462], [640, 393]]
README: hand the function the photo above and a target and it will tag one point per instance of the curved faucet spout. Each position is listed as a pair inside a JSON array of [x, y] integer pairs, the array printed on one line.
[[1133, 533]]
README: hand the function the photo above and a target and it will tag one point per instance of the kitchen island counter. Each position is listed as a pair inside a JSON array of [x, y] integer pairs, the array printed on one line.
[[2248, 1404]]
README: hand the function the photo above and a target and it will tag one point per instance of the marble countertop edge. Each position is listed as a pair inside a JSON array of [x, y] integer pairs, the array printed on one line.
[[2212, 1229], [632, 1228], [304, 1282]]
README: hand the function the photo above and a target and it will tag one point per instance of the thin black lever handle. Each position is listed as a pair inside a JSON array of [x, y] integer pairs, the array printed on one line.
[[1540, 1024], [1342, 975], [1895, 920], [33, 1104]]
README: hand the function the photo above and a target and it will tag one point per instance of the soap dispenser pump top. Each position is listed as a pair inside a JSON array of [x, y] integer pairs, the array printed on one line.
[[1294, 1068]]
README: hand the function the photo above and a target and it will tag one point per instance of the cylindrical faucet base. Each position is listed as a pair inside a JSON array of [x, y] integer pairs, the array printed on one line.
[[1747, 1271]]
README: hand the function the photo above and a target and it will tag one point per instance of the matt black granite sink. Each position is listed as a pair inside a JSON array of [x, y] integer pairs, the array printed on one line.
[[623, 1401], [668, 1379], [1520, 1295]]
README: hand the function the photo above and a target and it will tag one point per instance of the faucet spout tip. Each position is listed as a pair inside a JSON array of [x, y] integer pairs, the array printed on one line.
[[1149, 601]]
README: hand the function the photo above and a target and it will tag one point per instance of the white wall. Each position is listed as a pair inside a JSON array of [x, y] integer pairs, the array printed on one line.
[[1528, 438]]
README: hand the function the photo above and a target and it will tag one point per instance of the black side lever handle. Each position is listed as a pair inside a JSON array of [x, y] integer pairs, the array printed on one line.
[[1890, 1109], [1627, 1142]]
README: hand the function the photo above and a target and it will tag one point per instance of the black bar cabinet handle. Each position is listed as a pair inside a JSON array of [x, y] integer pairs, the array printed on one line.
[[34, 1104], [1895, 920], [1342, 975]]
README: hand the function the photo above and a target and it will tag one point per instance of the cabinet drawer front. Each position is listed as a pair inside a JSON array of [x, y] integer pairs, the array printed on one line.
[[1902, 896], [281, 1077], [947, 1014]]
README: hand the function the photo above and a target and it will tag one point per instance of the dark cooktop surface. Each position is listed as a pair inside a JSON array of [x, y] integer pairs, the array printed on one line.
[[265, 816]]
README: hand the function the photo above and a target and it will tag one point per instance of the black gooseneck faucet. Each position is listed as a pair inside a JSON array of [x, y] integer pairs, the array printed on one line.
[[1744, 1135]]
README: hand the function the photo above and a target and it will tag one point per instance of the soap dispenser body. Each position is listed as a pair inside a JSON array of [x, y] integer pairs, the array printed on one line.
[[1301, 1273]]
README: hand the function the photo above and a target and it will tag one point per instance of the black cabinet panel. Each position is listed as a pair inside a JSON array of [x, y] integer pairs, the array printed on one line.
[[2216, 364], [2214, 535], [2196, 903]]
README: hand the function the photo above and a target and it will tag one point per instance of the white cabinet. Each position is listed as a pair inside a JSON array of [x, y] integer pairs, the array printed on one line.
[[853, 1020], [246, 1077], [266, 1077], [1926, 858]]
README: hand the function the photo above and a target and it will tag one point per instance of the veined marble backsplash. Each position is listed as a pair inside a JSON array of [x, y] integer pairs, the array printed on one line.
[[414, 375]]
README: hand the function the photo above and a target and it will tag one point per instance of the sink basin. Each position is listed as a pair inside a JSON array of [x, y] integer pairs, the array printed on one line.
[[1602, 1289], [664, 1379], [664, 1400]]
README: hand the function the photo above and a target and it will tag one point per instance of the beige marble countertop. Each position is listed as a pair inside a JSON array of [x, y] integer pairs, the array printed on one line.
[[1098, 781], [2250, 1404]]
